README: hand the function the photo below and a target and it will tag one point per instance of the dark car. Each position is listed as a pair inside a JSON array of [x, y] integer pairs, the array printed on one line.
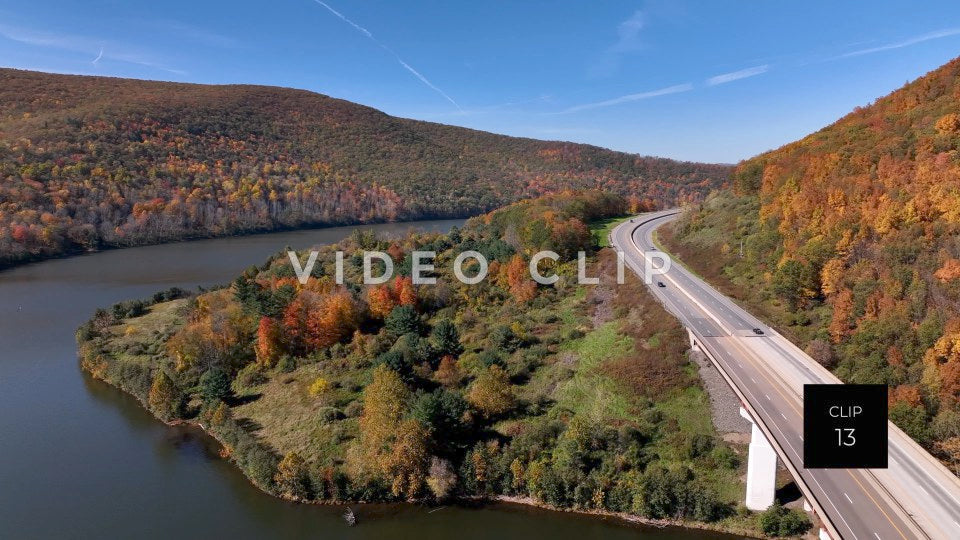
[[758, 331], [660, 284]]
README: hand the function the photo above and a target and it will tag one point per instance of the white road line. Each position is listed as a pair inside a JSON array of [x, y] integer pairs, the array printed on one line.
[[716, 302], [848, 498], [878, 536]]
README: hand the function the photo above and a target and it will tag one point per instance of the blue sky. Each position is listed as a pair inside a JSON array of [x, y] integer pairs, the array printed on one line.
[[717, 80]]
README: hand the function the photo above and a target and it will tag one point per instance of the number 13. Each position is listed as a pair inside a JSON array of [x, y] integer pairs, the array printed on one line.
[[845, 437]]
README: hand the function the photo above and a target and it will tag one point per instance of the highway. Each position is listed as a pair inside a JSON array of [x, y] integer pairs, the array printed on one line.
[[916, 497]]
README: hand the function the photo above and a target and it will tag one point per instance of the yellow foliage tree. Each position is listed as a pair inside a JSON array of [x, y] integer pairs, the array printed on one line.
[[407, 462], [163, 398], [291, 476], [491, 392], [384, 403]]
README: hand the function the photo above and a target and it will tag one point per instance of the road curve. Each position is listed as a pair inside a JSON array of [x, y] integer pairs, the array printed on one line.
[[916, 497]]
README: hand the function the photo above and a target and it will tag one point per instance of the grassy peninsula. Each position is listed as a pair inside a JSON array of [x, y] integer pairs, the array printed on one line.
[[569, 396]]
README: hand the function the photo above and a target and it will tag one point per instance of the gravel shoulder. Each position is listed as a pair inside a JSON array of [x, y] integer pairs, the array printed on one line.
[[724, 404]]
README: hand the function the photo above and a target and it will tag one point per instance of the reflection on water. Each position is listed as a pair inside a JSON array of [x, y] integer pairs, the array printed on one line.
[[80, 459]]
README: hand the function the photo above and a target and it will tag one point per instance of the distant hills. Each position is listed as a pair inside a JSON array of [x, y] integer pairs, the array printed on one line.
[[92, 162]]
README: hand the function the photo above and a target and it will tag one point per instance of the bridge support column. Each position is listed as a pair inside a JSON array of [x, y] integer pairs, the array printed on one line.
[[761, 469]]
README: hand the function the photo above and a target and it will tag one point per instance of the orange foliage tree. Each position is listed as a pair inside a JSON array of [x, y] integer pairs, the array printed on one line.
[[334, 319], [268, 347], [521, 285]]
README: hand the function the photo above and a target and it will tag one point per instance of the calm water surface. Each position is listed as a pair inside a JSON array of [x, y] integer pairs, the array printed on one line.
[[79, 459]]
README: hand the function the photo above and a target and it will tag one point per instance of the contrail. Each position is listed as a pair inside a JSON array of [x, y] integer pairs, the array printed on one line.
[[737, 75], [906, 43], [405, 65], [99, 56], [361, 29], [630, 97], [426, 82]]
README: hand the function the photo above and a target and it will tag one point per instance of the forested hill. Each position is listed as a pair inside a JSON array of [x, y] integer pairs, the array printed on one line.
[[90, 162], [855, 230]]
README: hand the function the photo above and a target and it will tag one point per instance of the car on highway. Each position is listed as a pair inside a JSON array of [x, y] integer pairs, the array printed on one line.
[[758, 331], [661, 284]]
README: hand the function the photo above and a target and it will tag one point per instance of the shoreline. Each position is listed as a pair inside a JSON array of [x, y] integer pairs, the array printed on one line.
[[623, 517], [198, 237]]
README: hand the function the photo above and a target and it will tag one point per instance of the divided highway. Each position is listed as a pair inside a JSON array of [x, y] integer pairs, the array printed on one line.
[[916, 497]]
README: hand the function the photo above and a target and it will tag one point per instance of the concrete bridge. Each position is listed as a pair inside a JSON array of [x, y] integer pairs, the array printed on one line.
[[915, 497]]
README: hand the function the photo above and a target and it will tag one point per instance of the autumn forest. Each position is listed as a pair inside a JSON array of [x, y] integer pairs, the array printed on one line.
[[90, 162], [852, 235]]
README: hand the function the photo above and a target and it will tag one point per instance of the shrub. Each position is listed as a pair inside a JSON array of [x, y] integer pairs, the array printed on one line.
[[698, 445], [286, 364], [319, 386], [172, 293], [249, 376], [330, 414], [780, 521]]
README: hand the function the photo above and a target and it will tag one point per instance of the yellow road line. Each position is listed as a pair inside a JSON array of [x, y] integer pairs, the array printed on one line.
[[776, 387]]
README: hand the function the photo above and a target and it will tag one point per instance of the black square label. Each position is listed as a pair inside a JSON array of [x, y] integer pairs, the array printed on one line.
[[845, 426]]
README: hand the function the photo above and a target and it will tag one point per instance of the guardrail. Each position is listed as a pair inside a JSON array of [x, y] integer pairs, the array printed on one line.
[[767, 432]]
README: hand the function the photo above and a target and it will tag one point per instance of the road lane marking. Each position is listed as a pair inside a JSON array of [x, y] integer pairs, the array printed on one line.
[[790, 403], [848, 498], [829, 500], [792, 358], [855, 479], [725, 355]]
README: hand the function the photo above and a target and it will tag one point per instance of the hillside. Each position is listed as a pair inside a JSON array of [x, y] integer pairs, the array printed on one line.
[[851, 242], [93, 162]]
